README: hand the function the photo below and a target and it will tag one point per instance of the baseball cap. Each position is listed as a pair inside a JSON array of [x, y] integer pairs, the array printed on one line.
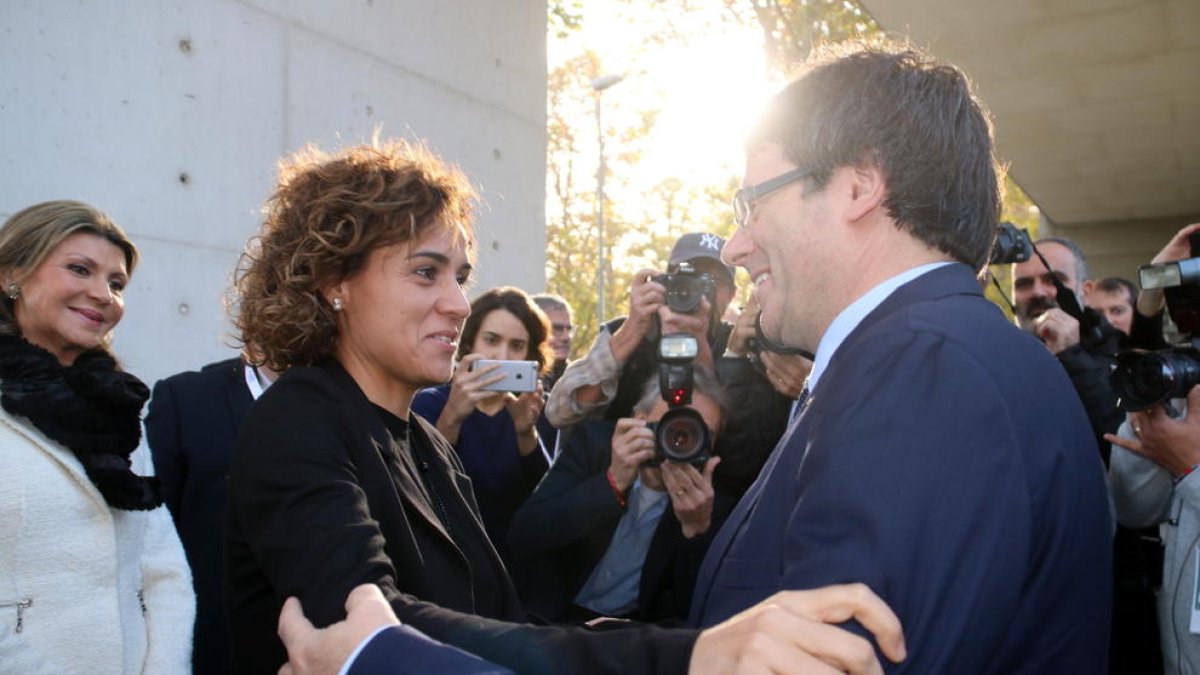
[[694, 245]]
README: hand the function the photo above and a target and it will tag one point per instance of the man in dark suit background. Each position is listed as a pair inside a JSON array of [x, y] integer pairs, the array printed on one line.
[[191, 425], [917, 462]]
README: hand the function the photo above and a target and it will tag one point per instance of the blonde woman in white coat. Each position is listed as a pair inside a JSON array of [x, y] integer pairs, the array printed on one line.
[[92, 576]]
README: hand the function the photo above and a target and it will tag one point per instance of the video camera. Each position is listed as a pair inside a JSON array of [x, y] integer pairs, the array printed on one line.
[[1144, 379], [685, 287], [681, 434]]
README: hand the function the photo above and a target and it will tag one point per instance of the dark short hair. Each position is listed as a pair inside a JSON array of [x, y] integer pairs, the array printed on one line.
[[518, 303], [1116, 285], [916, 120]]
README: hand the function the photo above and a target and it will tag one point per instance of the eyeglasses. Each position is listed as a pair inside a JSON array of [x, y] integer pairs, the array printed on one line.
[[562, 328], [743, 199]]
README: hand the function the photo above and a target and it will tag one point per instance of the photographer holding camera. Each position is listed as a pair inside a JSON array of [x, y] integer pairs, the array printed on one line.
[[690, 298], [622, 520], [1154, 482]]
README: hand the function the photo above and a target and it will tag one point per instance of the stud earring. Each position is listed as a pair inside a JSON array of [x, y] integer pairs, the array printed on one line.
[[14, 290], [337, 304]]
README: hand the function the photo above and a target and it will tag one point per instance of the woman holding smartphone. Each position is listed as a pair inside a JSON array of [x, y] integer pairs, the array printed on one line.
[[494, 431]]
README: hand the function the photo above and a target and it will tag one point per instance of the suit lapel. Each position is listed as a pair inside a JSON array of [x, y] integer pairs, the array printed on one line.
[[951, 279], [733, 526]]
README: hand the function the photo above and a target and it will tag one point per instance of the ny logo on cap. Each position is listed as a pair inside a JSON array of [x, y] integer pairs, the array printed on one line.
[[710, 241]]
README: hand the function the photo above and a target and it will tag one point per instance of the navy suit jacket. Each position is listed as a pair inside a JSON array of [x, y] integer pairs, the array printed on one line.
[[945, 461], [402, 650], [191, 427]]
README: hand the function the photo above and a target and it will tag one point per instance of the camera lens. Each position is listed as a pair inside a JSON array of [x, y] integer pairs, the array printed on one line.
[[1144, 379], [683, 297], [682, 436]]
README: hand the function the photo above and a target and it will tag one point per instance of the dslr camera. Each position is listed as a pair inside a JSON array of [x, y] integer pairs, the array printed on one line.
[[1144, 379], [1012, 245], [685, 287], [681, 434]]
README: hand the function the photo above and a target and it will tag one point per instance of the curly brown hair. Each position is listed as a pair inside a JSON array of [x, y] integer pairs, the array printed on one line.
[[518, 303], [328, 213]]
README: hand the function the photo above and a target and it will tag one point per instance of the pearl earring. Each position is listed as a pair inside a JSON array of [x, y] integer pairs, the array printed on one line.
[[337, 304]]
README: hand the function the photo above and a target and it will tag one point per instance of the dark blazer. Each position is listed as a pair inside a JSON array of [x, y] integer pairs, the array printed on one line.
[[191, 426], [945, 461], [567, 524], [322, 499], [420, 656]]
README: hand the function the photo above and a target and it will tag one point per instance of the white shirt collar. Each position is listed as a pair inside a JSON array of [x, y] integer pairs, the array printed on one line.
[[848, 319], [256, 382]]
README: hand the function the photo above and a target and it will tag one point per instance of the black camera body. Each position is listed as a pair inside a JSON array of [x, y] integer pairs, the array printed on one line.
[[1143, 378], [685, 287], [681, 434], [1012, 245]]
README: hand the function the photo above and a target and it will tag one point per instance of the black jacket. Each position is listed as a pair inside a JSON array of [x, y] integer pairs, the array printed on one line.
[[191, 427], [322, 499], [567, 524]]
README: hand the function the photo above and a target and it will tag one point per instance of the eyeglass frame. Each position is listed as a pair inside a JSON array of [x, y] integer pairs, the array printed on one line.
[[559, 328], [744, 198]]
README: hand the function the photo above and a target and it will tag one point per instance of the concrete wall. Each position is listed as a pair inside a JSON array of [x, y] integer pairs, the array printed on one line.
[[170, 114], [1119, 248]]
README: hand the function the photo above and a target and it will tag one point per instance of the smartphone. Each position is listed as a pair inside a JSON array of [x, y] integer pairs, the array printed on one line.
[[519, 376]]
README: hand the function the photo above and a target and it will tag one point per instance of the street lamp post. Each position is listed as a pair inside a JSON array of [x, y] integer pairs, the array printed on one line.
[[599, 85]]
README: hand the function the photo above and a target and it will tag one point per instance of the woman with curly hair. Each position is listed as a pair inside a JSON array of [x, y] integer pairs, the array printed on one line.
[[496, 433], [355, 288], [92, 576]]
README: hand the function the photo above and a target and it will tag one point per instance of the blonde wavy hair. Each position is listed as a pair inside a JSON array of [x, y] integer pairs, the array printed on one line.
[[326, 216], [28, 237]]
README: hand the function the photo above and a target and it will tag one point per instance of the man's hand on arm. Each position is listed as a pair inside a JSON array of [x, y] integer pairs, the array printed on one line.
[[792, 632], [1173, 444], [313, 651]]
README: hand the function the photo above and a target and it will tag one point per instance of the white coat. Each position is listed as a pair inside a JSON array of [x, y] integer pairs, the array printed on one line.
[[84, 588]]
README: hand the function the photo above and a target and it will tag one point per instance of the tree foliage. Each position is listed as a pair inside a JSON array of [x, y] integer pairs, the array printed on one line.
[[642, 221]]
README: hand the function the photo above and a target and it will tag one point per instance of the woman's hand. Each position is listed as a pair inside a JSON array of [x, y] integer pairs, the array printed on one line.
[[525, 411], [466, 392], [691, 494]]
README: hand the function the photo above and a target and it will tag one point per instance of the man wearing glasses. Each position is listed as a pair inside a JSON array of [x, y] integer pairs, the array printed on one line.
[[918, 464], [556, 308]]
